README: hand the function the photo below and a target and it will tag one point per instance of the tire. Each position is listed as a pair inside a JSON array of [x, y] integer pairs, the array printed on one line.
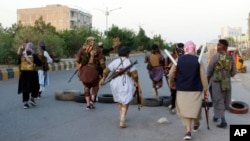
[[238, 107], [166, 100], [80, 98], [66, 95], [106, 98], [152, 102], [133, 101], [243, 70]]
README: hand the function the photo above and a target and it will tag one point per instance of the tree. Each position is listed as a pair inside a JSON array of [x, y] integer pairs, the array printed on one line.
[[7, 54]]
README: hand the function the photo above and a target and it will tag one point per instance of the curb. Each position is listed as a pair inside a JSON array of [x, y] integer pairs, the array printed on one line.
[[10, 73], [13, 72]]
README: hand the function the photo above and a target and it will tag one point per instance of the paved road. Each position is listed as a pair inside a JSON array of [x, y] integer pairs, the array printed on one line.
[[54, 120]]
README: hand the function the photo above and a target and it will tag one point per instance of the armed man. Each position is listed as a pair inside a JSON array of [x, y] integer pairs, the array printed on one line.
[[122, 85]]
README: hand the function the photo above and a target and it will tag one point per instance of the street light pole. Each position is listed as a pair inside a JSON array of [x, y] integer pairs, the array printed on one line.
[[107, 13]]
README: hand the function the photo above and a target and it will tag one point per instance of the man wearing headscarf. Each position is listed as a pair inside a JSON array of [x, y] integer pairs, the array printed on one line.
[[88, 58], [178, 50], [189, 79], [155, 66], [43, 70], [219, 72], [28, 80], [123, 86]]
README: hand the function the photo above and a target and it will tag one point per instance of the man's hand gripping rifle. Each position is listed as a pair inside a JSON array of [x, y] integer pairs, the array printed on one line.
[[120, 72]]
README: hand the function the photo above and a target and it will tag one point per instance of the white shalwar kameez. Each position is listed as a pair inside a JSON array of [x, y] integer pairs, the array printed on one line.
[[44, 76], [122, 87]]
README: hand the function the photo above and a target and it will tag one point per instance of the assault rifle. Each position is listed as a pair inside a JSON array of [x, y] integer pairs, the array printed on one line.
[[206, 108], [75, 72], [138, 96], [120, 72], [73, 75]]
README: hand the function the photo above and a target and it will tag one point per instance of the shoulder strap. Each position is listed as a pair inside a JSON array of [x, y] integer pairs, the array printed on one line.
[[121, 63]]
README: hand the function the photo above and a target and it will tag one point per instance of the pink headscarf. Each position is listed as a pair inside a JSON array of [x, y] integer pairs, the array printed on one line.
[[189, 47]]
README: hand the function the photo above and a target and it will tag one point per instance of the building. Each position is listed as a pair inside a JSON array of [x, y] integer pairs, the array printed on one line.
[[230, 32], [249, 26], [59, 16]]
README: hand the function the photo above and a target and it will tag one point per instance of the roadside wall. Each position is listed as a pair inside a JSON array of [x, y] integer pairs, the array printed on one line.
[[13, 72]]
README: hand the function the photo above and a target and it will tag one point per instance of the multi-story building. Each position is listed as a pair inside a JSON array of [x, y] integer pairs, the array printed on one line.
[[59, 16], [230, 32], [249, 26]]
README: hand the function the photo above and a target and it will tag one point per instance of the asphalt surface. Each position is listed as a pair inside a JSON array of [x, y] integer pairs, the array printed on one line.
[[53, 120]]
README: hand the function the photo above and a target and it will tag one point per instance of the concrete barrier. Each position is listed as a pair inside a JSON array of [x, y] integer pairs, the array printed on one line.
[[13, 72], [10, 73]]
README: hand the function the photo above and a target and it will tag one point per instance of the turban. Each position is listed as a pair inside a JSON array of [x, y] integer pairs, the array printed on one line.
[[154, 46], [124, 51], [189, 47], [179, 48], [42, 45]]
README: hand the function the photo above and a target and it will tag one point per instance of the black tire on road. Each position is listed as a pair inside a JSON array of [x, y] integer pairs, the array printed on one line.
[[80, 98], [133, 101], [166, 100], [152, 102], [238, 107], [66, 95], [105, 98]]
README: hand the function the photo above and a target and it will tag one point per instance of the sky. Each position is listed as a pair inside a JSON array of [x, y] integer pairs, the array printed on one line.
[[199, 21]]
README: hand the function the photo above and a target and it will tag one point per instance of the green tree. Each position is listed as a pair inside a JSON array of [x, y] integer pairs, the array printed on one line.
[[158, 40], [7, 53], [142, 41]]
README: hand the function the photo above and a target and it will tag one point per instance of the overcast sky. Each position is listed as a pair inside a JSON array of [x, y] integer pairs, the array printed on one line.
[[175, 20]]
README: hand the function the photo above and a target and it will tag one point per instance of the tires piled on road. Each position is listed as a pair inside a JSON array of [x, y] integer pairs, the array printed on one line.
[[66, 95], [77, 96]]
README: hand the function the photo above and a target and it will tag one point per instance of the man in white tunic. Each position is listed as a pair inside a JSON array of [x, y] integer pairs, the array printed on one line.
[[43, 71], [123, 86]]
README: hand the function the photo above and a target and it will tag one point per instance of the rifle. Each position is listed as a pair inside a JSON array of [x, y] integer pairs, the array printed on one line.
[[206, 107], [73, 75], [138, 97], [120, 72], [44, 79], [166, 76]]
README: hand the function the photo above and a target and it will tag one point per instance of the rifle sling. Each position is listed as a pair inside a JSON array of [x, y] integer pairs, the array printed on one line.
[[121, 63]]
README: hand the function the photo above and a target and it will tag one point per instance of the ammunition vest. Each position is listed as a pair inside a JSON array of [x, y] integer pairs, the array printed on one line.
[[27, 66], [225, 62], [45, 65], [85, 58]]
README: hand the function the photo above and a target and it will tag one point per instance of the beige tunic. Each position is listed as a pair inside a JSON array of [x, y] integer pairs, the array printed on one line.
[[188, 103]]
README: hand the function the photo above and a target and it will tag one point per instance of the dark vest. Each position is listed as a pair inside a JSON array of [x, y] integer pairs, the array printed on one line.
[[188, 74]]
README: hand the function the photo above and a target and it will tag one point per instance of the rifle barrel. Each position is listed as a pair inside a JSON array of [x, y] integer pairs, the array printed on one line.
[[116, 74], [207, 115], [72, 75]]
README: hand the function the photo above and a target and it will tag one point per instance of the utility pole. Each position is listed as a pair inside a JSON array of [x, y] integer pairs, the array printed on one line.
[[107, 13]]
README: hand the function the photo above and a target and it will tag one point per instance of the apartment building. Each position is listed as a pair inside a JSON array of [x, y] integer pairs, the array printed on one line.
[[249, 26], [60, 16], [230, 32]]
